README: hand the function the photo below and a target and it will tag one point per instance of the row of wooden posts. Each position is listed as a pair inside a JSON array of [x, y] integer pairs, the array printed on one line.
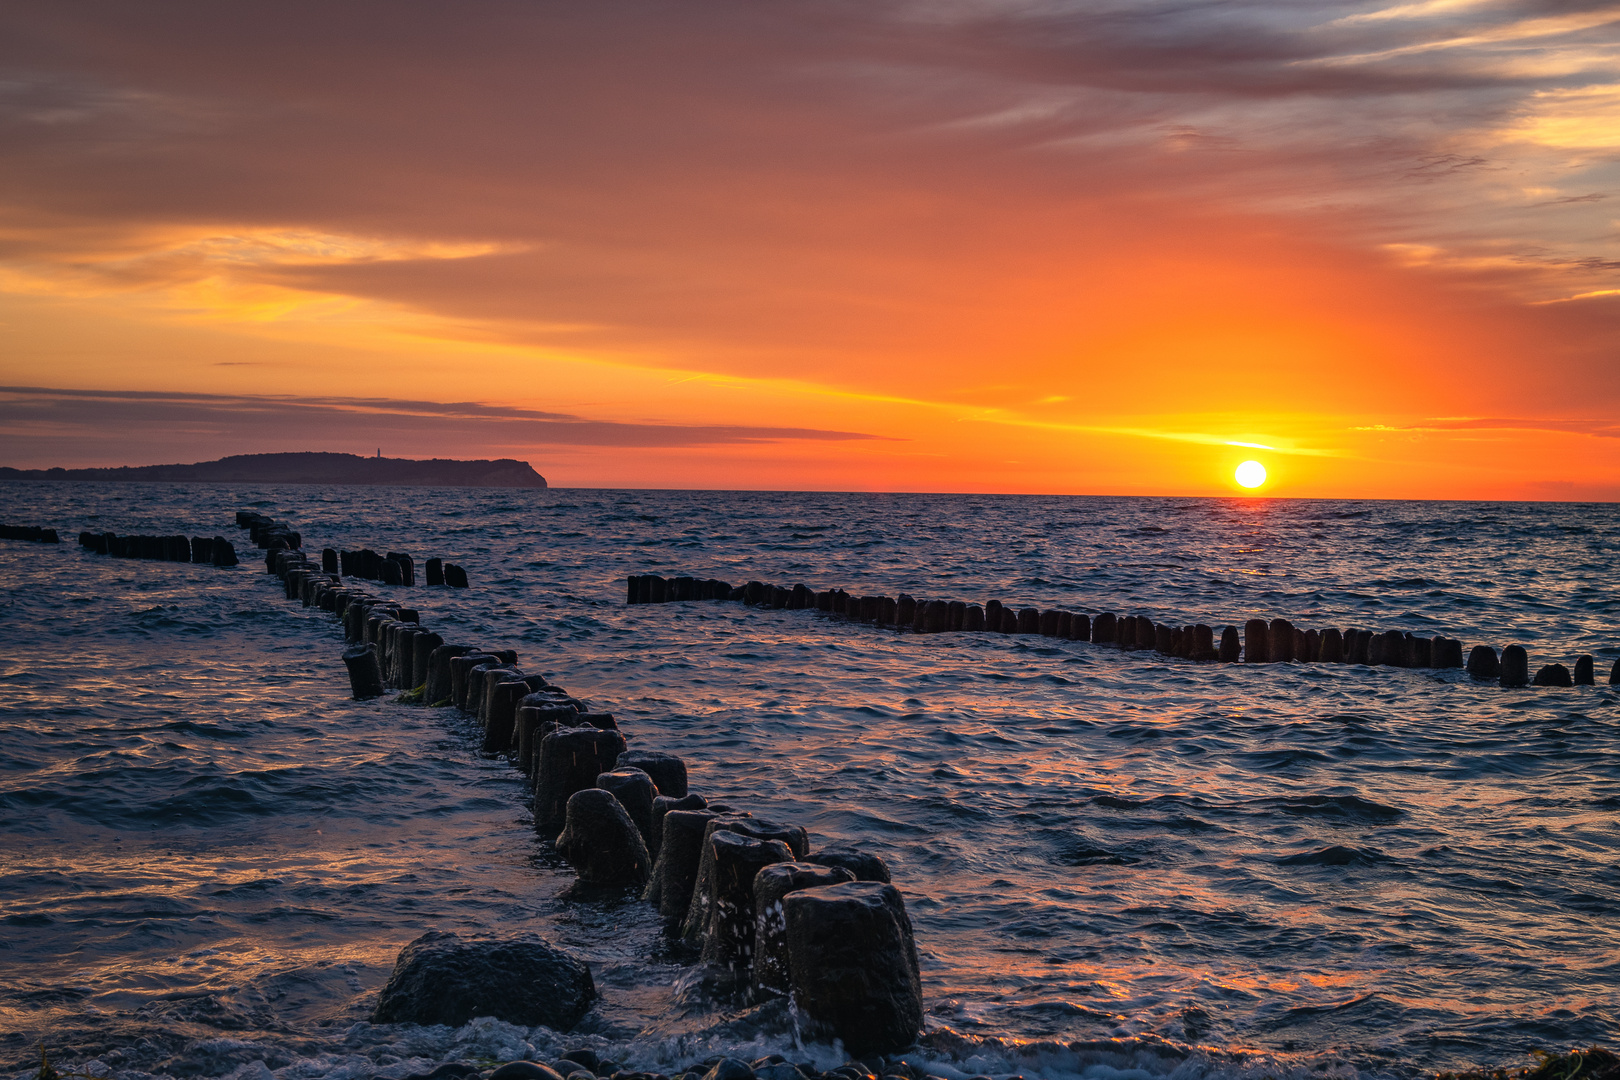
[[394, 568], [29, 532], [1260, 642], [764, 912], [215, 551]]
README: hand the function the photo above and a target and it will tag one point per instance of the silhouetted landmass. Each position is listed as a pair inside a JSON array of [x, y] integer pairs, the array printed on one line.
[[309, 468]]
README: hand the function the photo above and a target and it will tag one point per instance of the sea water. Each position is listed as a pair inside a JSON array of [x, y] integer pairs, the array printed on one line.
[[1118, 864]]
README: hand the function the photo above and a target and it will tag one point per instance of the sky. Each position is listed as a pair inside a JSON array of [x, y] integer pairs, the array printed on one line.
[[1107, 247]]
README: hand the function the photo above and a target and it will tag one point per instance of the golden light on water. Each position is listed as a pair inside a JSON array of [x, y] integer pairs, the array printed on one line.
[[1251, 474]]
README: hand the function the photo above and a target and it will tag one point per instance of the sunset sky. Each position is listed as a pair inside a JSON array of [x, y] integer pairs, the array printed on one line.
[[1115, 246]]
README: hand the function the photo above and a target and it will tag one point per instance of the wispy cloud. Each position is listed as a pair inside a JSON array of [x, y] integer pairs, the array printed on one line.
[[1597, 429]]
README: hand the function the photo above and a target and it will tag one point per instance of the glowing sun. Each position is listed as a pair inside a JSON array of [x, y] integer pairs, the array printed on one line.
[[1251, 474]]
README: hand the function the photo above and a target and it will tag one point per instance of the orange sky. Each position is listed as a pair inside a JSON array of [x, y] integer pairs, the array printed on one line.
[[988, 246]]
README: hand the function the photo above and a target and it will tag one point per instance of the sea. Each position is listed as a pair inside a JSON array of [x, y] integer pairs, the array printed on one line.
[[1119, 865]]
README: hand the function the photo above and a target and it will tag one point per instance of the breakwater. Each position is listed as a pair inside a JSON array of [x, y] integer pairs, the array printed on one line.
[[1288, 870], [766, 916], [29, 532], [1277, 641], [216, 551]]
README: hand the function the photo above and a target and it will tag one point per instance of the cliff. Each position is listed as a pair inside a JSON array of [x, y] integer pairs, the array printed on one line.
[[309, 468]]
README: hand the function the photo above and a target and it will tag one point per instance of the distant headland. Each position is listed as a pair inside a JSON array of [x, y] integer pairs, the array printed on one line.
[[309, 468]]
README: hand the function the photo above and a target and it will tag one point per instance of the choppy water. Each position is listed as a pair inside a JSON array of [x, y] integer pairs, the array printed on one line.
[[209, 857]]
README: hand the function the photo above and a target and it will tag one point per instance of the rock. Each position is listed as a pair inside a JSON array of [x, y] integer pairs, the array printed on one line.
[[365, 677], [570, 761], [864, 865], [1280, 638], [601, 842], [1256, 642], [854, 966], [584, 1057], [730, 1069], [521, 1070], [728, 942], [1483, 664], [1515, 666], [680, 853], [635, 791], [1553, 675], [662, 806], [779, 1071], [703, 891], [1583, 671], [1231, 647], [441, 978], [771, 885], [666, 770]]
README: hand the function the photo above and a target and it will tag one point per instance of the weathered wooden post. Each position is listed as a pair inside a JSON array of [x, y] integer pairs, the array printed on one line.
[[1280, 636], [365, 680], [1256, 642], [1515, 666]]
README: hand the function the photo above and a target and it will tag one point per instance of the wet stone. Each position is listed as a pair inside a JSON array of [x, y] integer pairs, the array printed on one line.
[[441, 978]]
